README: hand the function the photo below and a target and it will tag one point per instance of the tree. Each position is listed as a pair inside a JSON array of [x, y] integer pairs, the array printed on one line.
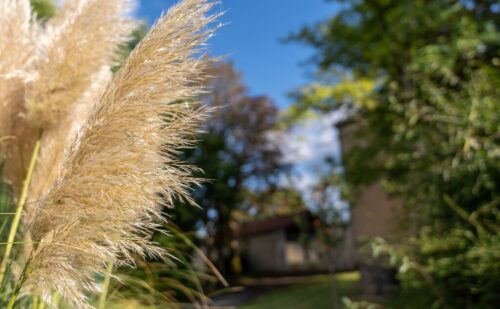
[[43, 8], [423, 84], [237, 156], [274, 201]]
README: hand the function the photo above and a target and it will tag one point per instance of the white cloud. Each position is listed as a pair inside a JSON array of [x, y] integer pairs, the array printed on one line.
[[307, 146]]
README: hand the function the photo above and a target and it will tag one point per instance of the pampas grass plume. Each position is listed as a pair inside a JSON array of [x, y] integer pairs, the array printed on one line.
[[16, 54], [84, 36], [108, 199]]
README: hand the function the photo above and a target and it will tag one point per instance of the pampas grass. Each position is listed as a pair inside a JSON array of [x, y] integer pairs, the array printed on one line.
[[16, 54], [82, 38], [17, 35], [58, 138], [104, 202]]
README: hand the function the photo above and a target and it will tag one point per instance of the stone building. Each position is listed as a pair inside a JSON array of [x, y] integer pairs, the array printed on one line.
[[373, 214], [273, 247]]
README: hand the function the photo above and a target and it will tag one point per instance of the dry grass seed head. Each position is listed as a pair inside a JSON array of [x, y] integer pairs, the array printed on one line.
[[83, 37], [106, 204], [17, 36]]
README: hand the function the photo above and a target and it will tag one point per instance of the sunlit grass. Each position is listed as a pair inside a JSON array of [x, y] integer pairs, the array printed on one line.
[[128, 304], [316, 292]]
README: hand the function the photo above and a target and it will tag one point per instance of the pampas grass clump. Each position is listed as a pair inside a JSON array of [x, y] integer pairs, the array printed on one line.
[[17, 37], [107, 155]]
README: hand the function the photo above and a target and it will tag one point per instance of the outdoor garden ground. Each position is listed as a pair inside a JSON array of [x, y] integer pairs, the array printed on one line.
[[310, 292], [313, 292]]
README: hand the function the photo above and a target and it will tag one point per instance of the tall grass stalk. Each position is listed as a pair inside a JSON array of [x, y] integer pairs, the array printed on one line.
[[17, 289], [19, 210], [55, 299], [105, 286], [177, 232], [35, 302]]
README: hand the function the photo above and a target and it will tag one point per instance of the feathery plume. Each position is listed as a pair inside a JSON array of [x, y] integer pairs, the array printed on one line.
[[107, 202], [57, 141], [16, 54], [83, 37]]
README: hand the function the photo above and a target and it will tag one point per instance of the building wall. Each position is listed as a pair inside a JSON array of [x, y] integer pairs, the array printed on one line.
[[374, 214], [345, 255], [265, 253], [272, 253]]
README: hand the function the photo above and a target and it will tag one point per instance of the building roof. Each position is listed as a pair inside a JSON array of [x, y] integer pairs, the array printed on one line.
[[270, 225]]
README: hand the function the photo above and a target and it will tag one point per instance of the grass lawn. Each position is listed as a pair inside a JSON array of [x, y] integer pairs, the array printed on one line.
[[315, 294]]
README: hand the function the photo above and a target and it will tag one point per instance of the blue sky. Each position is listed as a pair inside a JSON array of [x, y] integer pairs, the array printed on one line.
[[251, 40]]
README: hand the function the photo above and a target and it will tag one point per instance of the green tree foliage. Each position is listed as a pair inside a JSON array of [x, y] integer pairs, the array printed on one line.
[[429, 127], [236, 156], [271, 203], [137, 35], [43, 8]]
